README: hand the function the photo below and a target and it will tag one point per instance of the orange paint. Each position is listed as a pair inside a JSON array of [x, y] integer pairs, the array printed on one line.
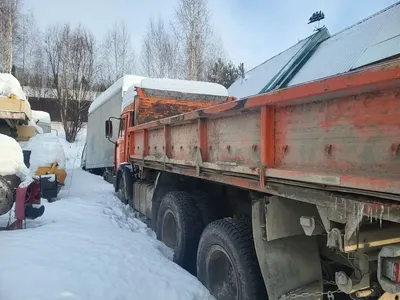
[[342, 131], [374, 78], [267, 141], [202, 128], [167, 141]]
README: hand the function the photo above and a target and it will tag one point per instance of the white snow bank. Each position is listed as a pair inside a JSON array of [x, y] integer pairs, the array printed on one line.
[[38, 129], [174, 85], [10, 85], [120, 86], [72, 151], [41, 116], [89, 246], [11, 157], [45, 150], [12, 160]]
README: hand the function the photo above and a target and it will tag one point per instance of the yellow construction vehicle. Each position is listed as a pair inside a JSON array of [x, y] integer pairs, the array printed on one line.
[[60, 173]]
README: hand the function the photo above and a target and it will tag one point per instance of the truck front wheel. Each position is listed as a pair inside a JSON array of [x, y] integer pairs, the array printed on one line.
[[121, 189], [227, 263], [179, 227]]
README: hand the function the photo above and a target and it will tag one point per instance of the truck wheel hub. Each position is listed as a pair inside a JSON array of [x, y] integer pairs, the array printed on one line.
[[169, 230], [222, 279]]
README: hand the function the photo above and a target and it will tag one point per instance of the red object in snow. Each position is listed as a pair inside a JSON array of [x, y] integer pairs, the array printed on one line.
[[24, 196]]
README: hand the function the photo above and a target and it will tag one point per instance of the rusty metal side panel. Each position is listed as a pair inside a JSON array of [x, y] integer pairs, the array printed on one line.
[[235, 139], [156, 143], [358, 134], [184, 140], [150, 109], [139, 144]]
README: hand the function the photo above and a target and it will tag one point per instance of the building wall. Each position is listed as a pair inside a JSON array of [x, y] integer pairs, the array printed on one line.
[[52, 106]]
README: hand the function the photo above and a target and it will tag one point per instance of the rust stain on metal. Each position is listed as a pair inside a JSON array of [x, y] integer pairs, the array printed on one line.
[[395, 150], [345, 137], [150, 109]]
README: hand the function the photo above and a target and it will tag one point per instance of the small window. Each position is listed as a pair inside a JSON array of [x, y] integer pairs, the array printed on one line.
[[132, 116], [122, 128]]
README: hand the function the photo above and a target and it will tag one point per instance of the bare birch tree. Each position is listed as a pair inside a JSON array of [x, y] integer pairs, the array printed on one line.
[[9, 11], [193, 30], [71, 55], [28, 50], [118, 58], [160, 52]]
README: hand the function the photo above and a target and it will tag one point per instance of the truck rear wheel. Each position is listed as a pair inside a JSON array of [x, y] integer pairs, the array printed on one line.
[[227, 263], [179, 227]]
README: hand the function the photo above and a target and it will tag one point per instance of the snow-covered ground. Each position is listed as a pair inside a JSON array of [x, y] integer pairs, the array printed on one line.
[[88, 245]]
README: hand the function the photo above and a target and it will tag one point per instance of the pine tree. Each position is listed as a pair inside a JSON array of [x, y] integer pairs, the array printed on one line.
[[223, 73]]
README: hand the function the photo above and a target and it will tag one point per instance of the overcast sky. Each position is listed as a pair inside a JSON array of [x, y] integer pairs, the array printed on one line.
[[251, 30]]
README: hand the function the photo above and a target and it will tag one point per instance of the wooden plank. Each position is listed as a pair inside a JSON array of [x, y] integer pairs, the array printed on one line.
[[14, 109]]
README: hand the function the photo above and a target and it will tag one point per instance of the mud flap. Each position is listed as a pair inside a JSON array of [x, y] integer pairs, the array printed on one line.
[[289, 265]]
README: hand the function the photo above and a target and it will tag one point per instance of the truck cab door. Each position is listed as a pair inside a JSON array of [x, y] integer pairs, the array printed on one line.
[[121, 141]]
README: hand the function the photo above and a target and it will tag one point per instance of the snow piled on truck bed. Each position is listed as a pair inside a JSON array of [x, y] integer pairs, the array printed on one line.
[[10, 85], [88, 245]]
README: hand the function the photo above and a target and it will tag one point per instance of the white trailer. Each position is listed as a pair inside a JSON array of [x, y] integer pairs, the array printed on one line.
[[98, 155]]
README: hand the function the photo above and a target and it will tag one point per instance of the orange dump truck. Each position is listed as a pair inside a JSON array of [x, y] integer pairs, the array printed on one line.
[[292, 193]]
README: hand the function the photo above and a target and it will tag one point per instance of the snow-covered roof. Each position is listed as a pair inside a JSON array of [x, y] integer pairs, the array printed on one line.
[[10, 85], [120, 86], [41, 116], [370, 40], [175, 85], [130, 93], [257, 78], [184, 86]]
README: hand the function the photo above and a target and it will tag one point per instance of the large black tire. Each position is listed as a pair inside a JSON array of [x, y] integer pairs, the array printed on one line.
[[227, 263], [179, 226], [7, 186], [125, 185], [121, 193]]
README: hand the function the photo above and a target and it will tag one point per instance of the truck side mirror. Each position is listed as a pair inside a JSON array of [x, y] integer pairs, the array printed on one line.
[[109, 129]]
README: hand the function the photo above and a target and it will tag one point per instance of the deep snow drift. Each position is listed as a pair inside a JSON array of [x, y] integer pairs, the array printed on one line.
[[72, 151], [46, 149], [88, 245], [12, 160]]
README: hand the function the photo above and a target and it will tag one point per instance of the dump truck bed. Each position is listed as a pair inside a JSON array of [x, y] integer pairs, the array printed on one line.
[[340, 133]]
